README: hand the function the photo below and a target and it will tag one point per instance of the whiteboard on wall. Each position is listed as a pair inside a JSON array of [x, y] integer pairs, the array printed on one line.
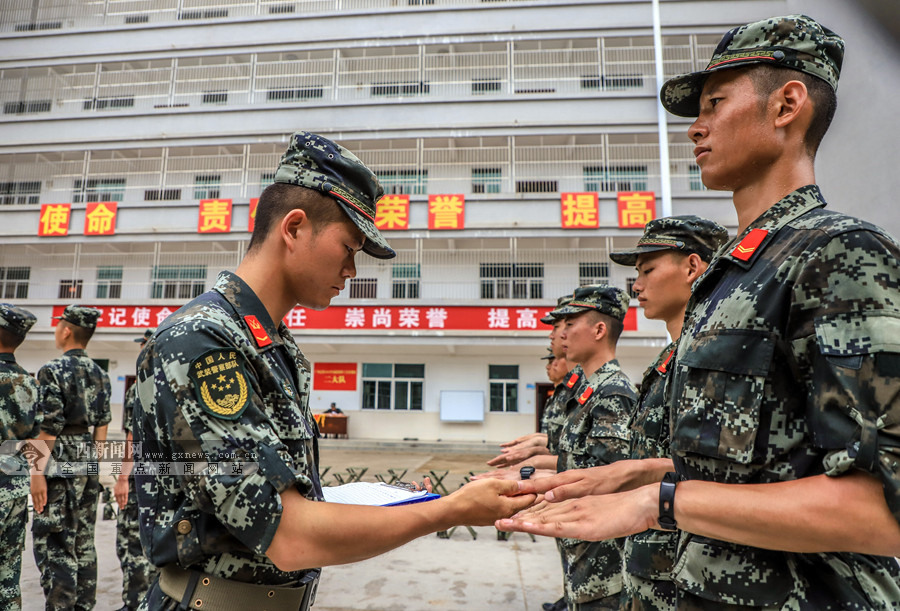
[[462, 406]]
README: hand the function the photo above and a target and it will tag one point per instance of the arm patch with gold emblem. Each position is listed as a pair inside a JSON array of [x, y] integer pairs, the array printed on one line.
[[221, 383]]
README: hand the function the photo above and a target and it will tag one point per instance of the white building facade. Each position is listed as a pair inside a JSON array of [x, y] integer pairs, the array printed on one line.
[[157, 106]]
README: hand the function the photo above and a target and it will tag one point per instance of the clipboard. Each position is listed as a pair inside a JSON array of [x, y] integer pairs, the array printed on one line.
[[375, 494]]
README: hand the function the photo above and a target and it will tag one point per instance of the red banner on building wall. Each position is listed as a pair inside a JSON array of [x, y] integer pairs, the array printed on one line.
[[251, 221], [392, 212], [447, 211], [368, 318], [214, 216], [580, 210], [100, 218], [334, 376], [54, 219], [636, 208]]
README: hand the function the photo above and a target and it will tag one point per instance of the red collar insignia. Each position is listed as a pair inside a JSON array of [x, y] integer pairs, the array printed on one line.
[[585, 395], [259, 334], [665, 364], [749, 244], [572, 380]]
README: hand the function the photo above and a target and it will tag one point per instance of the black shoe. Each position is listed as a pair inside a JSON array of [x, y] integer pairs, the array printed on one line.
[[559, 605]]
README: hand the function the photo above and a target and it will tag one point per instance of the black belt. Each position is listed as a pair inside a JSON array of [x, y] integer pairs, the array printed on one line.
[[196, 590], [75, 429]]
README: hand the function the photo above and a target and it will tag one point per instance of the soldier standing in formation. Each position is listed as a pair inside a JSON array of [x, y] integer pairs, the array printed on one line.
[[137, 572], [671, 255], [18, 421], [74, 399], [222, 380], [786, 489]]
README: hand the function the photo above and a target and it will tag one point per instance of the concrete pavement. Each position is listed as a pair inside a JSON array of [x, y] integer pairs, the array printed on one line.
[[451, 574]]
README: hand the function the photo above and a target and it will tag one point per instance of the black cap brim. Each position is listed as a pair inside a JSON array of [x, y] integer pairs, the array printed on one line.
[[375, 244], [629, 257]]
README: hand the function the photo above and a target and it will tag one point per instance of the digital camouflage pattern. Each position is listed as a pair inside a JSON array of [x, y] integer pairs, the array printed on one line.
[[554, 418], [18, 420], [74, 392], [221, 517], [794, 41], [788, 367], [137, 572], [687, 234], [603, 298], [80, 316], [317, 163], [16, 320], [595, 433], [553, 315], [648, 557]]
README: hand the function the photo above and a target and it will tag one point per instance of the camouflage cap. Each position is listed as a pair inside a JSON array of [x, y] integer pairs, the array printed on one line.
[[688, 234], [794, 41], [551, 317], [143, 339], [317, 163], [603, 298], [80, 316], [16, 320]]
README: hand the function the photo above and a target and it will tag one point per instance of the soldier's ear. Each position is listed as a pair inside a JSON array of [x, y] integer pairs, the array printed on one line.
[[695, 266], [292, 226]]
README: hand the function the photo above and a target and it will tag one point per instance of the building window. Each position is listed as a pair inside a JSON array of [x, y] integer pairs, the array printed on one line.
[[486, 180], [593, 273], [512, 280], [158, 195], [405, 278], [207, 186], [178, 281], [14, 282], [99, 190], [629, 287], [696, 182], [486, 85], [537, 186], [110, 102], [27, 107], [615, 178], [403, 181], [220, 96], [25, 192], [387, 386], [70, 289], [109, 281], [363, 288], [504, 380], [266, 179], [291, 94], [400, 88]]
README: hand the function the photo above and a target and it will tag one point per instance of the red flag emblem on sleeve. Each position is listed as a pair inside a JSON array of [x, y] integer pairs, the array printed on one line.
[[585, 395], [749, 244], [259, 334]]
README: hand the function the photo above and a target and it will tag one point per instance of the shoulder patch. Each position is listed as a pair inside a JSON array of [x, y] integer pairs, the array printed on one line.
[[259, 334], [572, 379], [749, 244], [221, 383]]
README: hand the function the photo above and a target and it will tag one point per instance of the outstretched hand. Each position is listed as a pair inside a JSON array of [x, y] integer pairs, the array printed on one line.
[[592, 518], [483, 502], [619, 476]]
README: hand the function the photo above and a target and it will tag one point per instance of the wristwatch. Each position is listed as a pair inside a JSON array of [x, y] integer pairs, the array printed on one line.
[[666, 517], [526, 472]]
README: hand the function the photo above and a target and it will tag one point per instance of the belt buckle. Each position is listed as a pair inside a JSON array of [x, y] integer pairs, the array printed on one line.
[[309, 595]]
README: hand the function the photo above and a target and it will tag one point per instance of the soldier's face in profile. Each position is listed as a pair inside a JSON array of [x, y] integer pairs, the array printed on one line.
[[733, 136], [579, 337], [663, 284]]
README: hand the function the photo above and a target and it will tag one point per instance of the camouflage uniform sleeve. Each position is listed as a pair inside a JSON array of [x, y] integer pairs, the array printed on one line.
[[50, 402], [128, 407], [853, 356], [247, 504], [609, 438], [105, 416], [18, 403]]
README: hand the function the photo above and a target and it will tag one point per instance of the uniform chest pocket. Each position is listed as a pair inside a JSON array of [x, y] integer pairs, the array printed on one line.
[[722, 379]]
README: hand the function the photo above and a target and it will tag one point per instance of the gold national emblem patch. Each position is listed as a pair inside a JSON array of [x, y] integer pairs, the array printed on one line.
[[221, 383]]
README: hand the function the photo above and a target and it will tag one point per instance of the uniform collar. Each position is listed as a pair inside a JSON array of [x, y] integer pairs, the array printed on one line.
[[7, 357], [75, 352], [746, 248], [607, 369], [249, 308]]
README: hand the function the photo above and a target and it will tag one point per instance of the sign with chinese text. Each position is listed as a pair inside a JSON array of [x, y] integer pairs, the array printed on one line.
[[580, 210], [214, 216], [251, 221], [392, 212], [447, 211], [368, 318], [636, 208], [100, 218], [334, 376], [54, 219]]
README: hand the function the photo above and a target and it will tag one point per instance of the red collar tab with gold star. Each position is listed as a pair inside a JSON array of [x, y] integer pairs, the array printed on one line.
[[585, 395], [259, 334], [572, 379], [749, 244]]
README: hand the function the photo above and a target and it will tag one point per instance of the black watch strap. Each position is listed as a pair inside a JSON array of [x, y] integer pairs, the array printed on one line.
[[526, 472], [666, 517]]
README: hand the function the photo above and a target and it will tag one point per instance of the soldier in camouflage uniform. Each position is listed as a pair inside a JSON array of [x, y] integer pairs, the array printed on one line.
[[669, 257], [786, 392], [227, 480], [595, 432], [74, 398], [137, 572], [18, 421]]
